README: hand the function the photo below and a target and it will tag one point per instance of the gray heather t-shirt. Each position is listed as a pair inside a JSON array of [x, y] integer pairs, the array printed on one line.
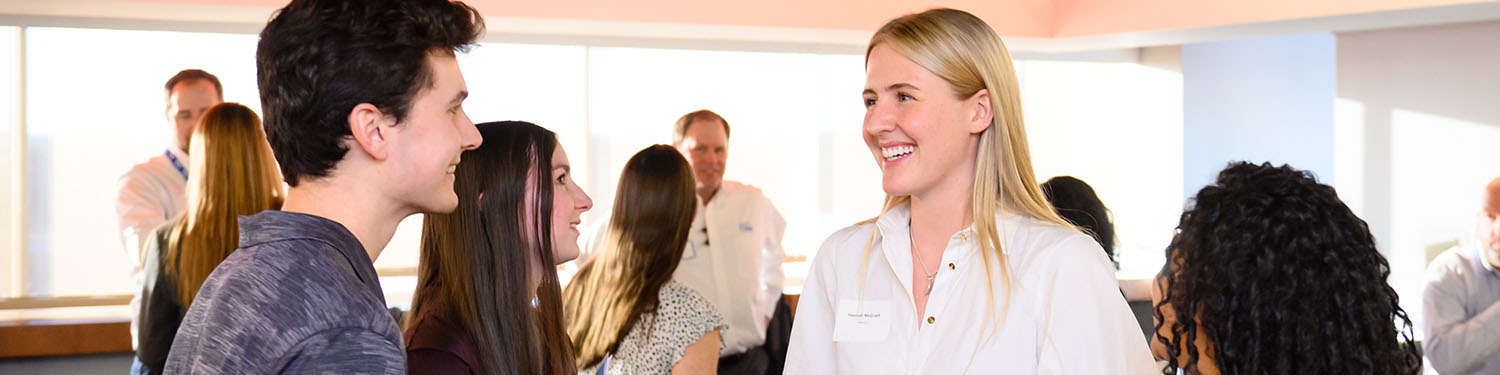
[[300, 295]]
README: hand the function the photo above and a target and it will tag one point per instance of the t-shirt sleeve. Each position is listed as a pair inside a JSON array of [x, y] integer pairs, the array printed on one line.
[[688, 316], [347, 351]]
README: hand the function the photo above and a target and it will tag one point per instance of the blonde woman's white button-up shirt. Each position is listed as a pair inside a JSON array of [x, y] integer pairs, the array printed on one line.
[[1065, 314]]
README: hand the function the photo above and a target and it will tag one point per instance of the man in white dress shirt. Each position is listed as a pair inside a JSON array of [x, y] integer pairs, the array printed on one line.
[[153, 191], [1461, 301], [734, 253], [734, 249]]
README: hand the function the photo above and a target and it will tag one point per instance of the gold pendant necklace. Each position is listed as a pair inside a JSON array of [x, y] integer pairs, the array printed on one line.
[[931, 276]]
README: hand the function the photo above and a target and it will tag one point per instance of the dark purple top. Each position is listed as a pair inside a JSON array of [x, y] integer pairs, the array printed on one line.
[[433, 346]]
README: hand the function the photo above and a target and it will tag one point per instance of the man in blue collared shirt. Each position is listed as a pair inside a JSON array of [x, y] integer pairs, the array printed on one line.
[[1462, 299], [363, 110]]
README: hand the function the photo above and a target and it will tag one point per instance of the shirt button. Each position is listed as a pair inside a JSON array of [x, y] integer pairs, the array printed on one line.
[[964, 237], [951, 266], [931, 320]]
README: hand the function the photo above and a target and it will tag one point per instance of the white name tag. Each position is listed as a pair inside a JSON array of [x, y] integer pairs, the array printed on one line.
[[862, 321]]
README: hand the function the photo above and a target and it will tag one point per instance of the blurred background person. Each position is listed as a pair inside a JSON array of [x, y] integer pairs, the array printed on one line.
[[1461, 301], [154, 191], [735, 226], [1270, 273], [622, 303], [231, 173], [734, 251], [1077, 203], [487, 299]]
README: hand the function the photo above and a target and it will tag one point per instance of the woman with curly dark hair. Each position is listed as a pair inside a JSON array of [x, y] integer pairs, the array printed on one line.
[[1270, 273]]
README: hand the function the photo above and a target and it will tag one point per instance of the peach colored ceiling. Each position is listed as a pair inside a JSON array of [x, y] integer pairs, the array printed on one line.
[[1098, 17], [1012, 18]]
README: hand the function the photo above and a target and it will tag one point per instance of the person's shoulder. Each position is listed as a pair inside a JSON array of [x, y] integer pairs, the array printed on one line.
[[433, 343], [852, 238], [291, 279], [152, 168], [434, 361], [684, 308], [743, 191], [740, 187], [675, 296], [1451, 263], [1036, 243], [292, 260]]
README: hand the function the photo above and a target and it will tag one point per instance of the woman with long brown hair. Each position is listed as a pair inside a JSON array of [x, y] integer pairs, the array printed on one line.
[[231, 172], [622, 303], [487, 298], [967, 269]]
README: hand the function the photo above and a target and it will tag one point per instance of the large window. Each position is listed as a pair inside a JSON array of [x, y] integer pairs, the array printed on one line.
[[10, 121], [785, 110], [94, 106]]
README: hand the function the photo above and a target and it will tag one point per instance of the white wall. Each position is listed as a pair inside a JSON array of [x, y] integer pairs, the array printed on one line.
[[1261, 99], [1418, 119]]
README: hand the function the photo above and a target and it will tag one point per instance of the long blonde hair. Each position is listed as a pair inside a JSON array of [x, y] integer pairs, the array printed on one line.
[[653, 212], [965, 52], [231, 173]]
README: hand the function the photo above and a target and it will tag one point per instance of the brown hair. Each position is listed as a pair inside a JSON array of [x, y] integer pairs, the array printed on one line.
[[477, 263], [679, 130], [232, 173], [654, 207], [188, 75]]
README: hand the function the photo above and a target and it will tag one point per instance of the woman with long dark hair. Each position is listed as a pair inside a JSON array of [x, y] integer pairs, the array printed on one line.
[[230, 173], [487, 298], [1270, 273], [622, 303], [1077, 203]]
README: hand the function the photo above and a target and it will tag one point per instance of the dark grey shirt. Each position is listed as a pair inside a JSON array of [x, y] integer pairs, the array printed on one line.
[[300, 295]]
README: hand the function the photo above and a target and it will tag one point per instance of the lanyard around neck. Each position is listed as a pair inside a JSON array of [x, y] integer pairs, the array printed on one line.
[[177, 164]]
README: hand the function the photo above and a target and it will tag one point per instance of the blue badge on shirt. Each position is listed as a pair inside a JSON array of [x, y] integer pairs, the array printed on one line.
[[745, 227]]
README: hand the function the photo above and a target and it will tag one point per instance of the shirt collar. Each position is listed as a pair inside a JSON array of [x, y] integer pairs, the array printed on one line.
[[275, 225], [178, 152], [1484, 257], [894, 226]]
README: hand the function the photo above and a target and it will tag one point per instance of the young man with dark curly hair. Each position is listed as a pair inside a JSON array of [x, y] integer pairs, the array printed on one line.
[[362, 103], [1272, 274], [1462, 298]]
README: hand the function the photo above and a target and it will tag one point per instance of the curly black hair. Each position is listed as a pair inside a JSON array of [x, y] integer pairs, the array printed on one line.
[[1076, 201], [1280, 277], [317, 59]]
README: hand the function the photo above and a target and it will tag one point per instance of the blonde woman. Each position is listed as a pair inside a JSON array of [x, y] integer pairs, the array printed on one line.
[[967, 269], [231, 172]]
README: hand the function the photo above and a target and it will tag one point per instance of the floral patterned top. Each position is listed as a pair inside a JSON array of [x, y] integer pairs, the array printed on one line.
[[658, 340]]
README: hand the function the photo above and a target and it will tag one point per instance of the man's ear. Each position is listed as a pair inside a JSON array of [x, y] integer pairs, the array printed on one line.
[[984, 113], [367, 124]]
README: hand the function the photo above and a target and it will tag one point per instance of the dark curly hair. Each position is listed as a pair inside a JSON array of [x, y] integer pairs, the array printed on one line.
[[317, 59], [1279, 277], [1076, 201]]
